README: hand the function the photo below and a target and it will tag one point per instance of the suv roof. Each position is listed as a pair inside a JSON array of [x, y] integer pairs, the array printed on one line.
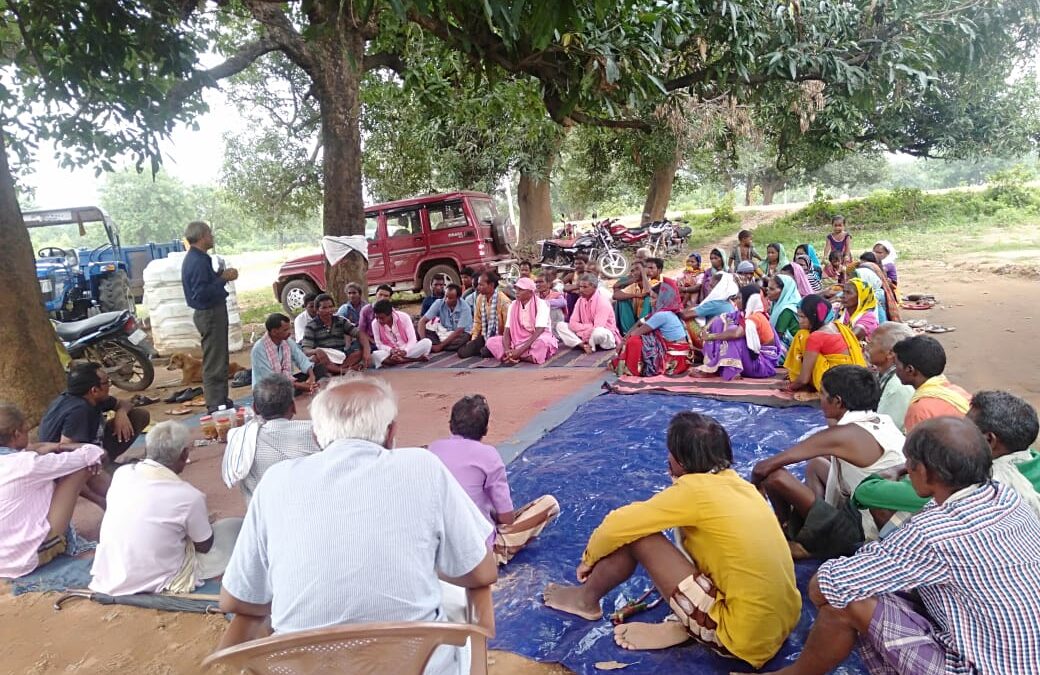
[[425, 199]]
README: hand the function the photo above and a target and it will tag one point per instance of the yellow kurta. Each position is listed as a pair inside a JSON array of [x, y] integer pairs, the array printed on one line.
[[733, 537]]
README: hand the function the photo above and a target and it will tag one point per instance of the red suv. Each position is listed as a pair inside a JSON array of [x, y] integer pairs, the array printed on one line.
[[412, 241]]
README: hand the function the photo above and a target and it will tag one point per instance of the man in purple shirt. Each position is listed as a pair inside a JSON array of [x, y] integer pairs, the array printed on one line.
[[479, 469]]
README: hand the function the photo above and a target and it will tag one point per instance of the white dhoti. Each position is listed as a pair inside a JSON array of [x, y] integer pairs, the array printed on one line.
[[601, 338], [335, 355], [417, 351]]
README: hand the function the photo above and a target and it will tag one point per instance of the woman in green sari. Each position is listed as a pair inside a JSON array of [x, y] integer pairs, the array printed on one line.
[[632, 297]]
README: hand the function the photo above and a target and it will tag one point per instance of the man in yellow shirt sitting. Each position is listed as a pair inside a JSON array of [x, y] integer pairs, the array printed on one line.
[[731, 585]]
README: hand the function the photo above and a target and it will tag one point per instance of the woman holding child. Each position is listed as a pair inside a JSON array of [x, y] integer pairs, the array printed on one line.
[[742, 343], [820, 345]]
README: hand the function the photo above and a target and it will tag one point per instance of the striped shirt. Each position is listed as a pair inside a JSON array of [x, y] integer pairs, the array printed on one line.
[[356, 534], [278, 440], [975, 561], [26, 488]]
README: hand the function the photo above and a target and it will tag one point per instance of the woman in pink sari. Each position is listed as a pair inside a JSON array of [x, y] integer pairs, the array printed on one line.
[[528, 336]]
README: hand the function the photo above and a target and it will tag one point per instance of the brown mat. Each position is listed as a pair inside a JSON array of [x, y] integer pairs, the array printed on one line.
[[769, 392]]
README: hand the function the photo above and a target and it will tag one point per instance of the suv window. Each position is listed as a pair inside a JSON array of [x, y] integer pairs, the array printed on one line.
[[403, 223], [482, 210], [372, 226], [447, 215]]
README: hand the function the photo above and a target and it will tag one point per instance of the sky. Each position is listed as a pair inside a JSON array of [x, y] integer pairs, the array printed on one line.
[[193, 156]]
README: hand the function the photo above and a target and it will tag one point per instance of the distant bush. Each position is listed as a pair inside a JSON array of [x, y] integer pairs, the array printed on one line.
[[1008, 187]]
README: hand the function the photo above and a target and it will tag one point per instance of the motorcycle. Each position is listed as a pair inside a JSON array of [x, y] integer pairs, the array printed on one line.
[[114, 340], [598, 245], [629, 237], [668, 238]]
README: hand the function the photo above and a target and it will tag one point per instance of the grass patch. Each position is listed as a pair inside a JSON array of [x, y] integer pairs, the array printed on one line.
[[922, 226], [255, 306]]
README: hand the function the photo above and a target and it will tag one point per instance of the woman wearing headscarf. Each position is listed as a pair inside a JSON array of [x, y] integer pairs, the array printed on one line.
[[657, 345], [814, 259], [776, 258], [860, 303], [718, 301], [819, 346], [742, 343], [886, 253], [801, 281], [783, 316], [814, 278], [888, 302], [631, 296]]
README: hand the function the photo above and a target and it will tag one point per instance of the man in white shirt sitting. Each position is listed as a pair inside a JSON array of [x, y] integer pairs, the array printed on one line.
[[359, 532], [156, 535]]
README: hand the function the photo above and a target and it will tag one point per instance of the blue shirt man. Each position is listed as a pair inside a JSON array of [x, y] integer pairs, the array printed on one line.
[[276, 352], [453, 319]]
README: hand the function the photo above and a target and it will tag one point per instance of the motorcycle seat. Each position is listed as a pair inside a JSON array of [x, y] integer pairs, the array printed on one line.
[[564, 243], [656, 229], [73, 330]]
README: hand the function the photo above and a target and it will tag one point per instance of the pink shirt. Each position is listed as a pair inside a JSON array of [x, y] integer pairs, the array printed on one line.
[[26, 488], [591, 313], [479, 470], [400, 328]]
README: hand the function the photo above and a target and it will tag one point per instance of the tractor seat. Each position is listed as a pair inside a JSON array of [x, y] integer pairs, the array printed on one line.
[[73, 330]]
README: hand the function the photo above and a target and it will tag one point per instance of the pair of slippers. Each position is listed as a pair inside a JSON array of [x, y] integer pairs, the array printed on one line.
[[922, 326], [140, 400], [183, 395]]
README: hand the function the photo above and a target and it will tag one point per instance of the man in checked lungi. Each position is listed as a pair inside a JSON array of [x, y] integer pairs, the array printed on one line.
[[479, 469]]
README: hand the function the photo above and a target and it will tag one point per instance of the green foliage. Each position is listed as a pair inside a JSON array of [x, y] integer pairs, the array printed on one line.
[[1008, 187], [157, 209], [908, 217]]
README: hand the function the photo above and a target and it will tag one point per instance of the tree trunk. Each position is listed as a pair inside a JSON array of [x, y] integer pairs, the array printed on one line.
[[660, 192], [29, 366], [749, 186], [536, 219], [337, 78], [769, 190]]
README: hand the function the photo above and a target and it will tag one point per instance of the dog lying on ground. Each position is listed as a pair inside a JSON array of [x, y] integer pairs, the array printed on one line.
[[191, 367]]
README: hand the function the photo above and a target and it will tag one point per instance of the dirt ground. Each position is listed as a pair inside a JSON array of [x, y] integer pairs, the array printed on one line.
[[994, 314], [89, 638]]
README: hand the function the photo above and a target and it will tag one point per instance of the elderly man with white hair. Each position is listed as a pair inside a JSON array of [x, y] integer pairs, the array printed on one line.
[[156, 535], [895, 396], [592, 324], [359, 532]]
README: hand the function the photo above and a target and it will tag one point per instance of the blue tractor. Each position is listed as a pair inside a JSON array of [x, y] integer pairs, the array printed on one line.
[[78, 282]]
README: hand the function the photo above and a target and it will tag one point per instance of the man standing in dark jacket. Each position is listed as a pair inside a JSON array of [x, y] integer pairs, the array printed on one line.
[[205, 293]]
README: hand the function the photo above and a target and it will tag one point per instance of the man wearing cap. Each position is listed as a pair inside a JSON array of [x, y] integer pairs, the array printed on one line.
[[527, 335]]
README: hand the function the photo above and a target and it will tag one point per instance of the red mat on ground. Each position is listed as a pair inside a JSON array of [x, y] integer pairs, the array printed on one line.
[[770, 392]]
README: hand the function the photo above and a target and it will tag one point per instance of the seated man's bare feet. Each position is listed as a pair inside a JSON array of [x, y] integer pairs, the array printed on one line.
[[650, 635], [586, 347], [569, 599]]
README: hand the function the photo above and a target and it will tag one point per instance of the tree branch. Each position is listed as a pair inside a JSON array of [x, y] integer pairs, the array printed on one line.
[[281, 30], [245, 56], [582, 118], [383, 60]]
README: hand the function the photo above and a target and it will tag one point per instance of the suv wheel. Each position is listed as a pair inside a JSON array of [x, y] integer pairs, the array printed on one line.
[[293, 294], [446, 271], [114, 293]]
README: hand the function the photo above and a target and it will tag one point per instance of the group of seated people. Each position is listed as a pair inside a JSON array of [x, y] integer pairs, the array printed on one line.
[[749, 320], [931, 540]]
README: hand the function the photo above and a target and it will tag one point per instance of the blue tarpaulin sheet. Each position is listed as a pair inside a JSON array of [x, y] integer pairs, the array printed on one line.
[[609, 453]]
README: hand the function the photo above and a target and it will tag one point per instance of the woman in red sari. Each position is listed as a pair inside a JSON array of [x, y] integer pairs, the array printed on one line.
[[657, 345]]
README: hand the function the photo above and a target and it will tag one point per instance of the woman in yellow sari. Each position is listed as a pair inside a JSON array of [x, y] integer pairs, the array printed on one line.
[[820, 345], [860, 313]]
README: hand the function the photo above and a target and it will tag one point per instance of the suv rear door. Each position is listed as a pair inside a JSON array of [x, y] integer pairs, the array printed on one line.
[[451, 231], [376, 236], [405, 243]]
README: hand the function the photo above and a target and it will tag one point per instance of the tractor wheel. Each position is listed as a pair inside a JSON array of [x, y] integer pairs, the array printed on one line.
[[114, 293]]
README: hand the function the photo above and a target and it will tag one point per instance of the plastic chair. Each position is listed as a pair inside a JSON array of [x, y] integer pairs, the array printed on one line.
[[365, 648]]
